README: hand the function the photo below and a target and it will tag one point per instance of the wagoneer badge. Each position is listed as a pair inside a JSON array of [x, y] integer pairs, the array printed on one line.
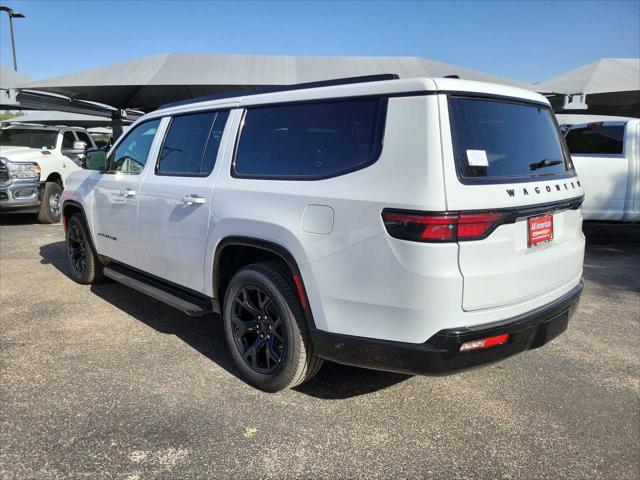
[[558, 187]]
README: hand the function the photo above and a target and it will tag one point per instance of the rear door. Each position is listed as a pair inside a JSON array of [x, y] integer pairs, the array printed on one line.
[[506, 159], [600, 157], [176, 198]]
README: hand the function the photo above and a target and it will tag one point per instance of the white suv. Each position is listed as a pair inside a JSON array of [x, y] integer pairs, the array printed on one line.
[[419, 225]]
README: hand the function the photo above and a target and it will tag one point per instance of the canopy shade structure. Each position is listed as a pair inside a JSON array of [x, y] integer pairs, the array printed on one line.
[[602, 76], [609, 86], [149, 82], [43, 117], [9, 79]]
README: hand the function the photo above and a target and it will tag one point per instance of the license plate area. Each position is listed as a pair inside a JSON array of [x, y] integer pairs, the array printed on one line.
[[540, 229]]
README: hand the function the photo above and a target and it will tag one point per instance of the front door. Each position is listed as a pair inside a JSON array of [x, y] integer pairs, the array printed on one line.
[[115, 196]]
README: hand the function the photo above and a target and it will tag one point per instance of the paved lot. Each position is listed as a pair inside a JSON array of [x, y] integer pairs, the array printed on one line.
[[103, 382]]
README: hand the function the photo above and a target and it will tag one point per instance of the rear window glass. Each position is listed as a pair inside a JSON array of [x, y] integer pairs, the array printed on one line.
[[497, 140], [191, 144], [310, 141], [596, 139]]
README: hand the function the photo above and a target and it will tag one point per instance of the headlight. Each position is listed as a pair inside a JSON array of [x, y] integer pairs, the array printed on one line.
[[21, 169]]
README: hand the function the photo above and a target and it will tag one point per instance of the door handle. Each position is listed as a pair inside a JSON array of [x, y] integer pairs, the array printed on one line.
[[193, 200], [127, 192]]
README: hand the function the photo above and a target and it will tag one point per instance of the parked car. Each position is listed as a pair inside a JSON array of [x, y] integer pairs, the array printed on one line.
[[606, 155], [418, 225], [51, 152]]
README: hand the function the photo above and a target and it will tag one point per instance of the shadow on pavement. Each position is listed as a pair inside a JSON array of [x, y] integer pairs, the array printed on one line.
[[56, 255], [18, 218], [612, 256], [207, 336]]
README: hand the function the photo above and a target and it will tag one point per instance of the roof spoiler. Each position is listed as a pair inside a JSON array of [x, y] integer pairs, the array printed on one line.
[[286, 88]]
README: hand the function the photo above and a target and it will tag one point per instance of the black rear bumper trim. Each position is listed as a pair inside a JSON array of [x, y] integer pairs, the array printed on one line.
[[441, 353]]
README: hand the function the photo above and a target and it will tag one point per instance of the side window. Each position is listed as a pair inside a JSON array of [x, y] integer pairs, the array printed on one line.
[[310, 141], [596, 138], [191, 144], [131, 154], [67, 140], [83, 137]]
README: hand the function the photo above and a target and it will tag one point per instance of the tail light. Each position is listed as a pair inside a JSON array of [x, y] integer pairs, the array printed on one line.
[[485, 343], [441, 227]]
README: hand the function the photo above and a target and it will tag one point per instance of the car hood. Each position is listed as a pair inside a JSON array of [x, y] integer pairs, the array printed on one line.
[[22, 154]]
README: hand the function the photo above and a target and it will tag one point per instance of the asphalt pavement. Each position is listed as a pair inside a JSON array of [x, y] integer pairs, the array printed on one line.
[[102, 382]]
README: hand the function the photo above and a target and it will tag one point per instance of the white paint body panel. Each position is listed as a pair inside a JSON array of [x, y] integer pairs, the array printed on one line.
[[359, 280], [612, 182]]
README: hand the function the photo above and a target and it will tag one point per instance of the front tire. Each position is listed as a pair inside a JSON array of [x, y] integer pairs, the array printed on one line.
[[50, 206], [84, 263], [265, 328]]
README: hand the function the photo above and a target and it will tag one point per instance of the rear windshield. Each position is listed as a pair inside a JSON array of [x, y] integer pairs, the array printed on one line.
[[498, 141], [28, 137], [596, 139]]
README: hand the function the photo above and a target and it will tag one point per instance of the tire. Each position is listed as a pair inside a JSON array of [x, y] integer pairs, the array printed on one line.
[[84, 264], [50, 208], [261, 300]]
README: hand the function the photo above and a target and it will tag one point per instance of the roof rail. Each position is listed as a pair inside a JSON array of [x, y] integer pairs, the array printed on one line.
[[285, 88]]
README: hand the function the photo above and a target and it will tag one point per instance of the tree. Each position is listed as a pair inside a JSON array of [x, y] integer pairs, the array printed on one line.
[[7, 115]]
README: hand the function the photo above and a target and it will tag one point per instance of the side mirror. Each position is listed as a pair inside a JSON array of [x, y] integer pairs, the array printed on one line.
[[96, 160], [79, 148]]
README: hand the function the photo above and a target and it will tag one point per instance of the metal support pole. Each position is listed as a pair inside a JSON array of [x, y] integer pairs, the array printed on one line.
[[116, 125], [13, 43]]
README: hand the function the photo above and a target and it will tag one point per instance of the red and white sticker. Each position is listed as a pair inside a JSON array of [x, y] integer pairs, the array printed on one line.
[[540, 229]]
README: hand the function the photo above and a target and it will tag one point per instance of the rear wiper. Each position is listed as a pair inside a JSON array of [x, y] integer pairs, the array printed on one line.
[[544, 163]]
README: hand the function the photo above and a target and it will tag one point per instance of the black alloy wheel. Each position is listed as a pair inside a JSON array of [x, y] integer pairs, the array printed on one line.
[[85, 264], [77, 249], [265, 328], [257, 329]]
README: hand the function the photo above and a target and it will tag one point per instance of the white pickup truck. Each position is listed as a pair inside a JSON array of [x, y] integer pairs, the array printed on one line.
[[35, 162], [606, 156]]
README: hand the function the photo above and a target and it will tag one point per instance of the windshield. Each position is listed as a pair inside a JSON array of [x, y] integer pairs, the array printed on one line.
[[28, 137], [497, 141]]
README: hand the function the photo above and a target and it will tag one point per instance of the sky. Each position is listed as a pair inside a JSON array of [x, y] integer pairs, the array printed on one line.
[[525, 41]]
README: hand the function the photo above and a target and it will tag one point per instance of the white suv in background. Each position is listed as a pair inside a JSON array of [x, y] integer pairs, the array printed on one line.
[[419, 225]]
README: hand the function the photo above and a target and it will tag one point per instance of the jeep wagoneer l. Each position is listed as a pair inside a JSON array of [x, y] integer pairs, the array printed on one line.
[[418, 225]]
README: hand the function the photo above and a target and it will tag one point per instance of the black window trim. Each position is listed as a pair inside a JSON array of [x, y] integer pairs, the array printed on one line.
[[122, 138], [540, 177], [383, 103], [158, 173]]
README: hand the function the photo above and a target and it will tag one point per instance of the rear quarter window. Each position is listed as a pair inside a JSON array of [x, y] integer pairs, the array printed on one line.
[[596, 139], [310, 141], [498, 141]]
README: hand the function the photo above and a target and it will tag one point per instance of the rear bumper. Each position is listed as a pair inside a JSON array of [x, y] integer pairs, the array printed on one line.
[[441, 353]]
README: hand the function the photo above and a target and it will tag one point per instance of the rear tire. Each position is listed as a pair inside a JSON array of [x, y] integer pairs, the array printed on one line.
[[265, 328], [50, 207], [84, 263]]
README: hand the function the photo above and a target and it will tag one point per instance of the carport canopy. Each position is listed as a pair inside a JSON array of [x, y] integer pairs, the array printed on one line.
[[9, 80], [43, 117], [609, 86], [602, 76], [150, 82]]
